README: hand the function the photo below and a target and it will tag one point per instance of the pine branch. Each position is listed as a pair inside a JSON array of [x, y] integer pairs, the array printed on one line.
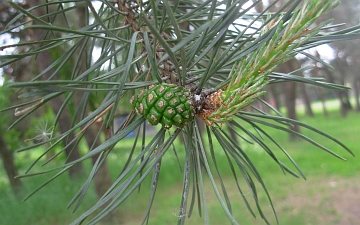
[[250, 76], [144, 44]]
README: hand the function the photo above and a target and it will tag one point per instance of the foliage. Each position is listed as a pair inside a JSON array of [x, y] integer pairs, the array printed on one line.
[[188, 43], [248, 77], [6, 117]]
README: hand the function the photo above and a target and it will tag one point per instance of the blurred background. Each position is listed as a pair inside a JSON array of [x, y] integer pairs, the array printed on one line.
[[330, 195]]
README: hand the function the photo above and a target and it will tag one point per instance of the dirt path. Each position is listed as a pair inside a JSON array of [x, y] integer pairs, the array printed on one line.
[[333, 201]]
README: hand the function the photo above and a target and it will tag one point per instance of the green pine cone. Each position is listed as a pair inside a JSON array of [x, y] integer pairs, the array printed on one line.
[[167, 104]]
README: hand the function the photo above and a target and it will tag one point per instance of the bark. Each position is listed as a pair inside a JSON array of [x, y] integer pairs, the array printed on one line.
[[102, 180], [322, 99], [81, 22], [342, 95], [274, 90], [71, 150], [316, 73], [43, 61], [339, 94], [290, 101], [356, 84], [259, 7], [9, 165], [306, 99], [233, 136], [345, 104], [290, 94]]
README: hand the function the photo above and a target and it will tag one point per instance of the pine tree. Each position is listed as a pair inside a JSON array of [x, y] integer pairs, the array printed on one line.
[[168, 62]]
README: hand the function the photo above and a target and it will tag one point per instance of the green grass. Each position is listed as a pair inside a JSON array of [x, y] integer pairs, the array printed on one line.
[[317, 165], [45, 207], [48, 205]]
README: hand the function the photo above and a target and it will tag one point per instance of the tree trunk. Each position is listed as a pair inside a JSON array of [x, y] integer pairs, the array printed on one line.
[[290, 94], [276, 96], [9, 165], [102, 180], [259, 7], [233, 135], [343, 96], [356, 84], [44, 60], [72, 152], [290, 101], [316, 73], [322, 99], [345, 104], [306, 99]]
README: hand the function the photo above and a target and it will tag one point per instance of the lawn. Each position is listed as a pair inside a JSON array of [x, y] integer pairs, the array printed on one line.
[[328, 196], [332, 185]]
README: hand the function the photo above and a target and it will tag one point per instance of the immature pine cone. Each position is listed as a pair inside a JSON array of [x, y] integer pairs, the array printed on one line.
[[167, 104]]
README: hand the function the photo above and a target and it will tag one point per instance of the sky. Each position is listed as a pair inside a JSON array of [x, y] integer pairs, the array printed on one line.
[[6, 40]]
